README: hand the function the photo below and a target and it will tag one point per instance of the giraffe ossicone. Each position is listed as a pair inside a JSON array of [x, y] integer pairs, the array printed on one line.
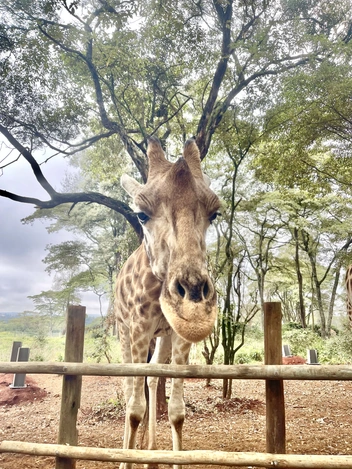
[[164, 289]]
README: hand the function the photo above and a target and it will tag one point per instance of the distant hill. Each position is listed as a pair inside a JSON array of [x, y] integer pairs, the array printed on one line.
[[7, 316]]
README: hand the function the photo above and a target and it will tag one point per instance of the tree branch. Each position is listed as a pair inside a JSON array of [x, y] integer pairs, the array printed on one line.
[[225, 18], [109, 124], [58, 198], [76, 147], [28, 156], [75, 198]]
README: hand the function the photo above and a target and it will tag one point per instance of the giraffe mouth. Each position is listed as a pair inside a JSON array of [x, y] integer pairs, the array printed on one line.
[[191, 313]]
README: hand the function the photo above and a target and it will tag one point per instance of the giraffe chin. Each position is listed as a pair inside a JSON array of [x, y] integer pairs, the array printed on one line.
[[191, 321]]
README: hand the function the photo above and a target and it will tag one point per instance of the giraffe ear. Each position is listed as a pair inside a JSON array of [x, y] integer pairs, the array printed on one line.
[[131, 186], [192, 156]]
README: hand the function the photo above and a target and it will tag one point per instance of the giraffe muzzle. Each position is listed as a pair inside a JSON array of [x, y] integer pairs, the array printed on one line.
[[189, 305]]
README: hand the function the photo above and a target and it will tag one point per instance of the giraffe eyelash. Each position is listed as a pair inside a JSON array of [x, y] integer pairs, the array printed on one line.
[[214, 216]]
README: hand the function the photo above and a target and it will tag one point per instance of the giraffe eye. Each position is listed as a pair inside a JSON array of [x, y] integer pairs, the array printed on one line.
[[142, 217], [213, 217]]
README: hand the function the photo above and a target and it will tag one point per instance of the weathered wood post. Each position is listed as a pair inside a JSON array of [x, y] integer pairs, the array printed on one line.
[[71, 384], [274, 389]]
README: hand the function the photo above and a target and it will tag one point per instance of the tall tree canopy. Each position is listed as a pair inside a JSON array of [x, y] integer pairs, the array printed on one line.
[[259, 84], [74, 73]]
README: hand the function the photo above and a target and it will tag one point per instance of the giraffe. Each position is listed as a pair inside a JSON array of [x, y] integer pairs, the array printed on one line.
[[348, 283], [164, 289]]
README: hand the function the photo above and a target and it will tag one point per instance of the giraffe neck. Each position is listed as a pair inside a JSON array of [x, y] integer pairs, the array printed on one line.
[[137, 289]]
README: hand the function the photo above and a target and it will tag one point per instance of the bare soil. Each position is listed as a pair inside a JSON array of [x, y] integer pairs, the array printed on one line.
[[318, 417]]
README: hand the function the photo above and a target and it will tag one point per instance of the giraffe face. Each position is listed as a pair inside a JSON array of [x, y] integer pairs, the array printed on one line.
[[175, 209]]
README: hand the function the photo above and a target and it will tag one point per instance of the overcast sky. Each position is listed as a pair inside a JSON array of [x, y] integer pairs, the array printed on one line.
[[22, 247]]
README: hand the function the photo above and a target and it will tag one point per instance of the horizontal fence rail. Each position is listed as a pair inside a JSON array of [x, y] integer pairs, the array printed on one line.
[[272, 372], [219, 458]]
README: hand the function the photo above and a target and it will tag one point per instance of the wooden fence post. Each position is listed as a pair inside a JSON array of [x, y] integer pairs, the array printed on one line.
[[274, 389], [71, 384]]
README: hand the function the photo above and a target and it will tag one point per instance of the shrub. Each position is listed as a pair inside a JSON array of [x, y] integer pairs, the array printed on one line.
[[254, 333], [302, 339], [333, 351], [37, 358], [102, 344], [338, 349], [257, 356], [110, 409], [242, 358], [249, 356], [289, 326]]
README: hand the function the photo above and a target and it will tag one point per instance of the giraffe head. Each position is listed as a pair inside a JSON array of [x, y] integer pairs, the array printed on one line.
[[175, 208]]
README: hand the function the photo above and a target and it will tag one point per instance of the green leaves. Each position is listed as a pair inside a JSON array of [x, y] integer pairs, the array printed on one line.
[[264, 87]]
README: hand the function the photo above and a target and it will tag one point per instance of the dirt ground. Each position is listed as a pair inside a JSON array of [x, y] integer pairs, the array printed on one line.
[[318, 417]]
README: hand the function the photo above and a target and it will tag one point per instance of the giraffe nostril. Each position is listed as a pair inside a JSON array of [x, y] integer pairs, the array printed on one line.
[[181, 291], [196, 292], [206, 290]]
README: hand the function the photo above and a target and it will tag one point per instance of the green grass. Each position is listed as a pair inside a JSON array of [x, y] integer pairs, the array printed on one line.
[[6, 339], [336, 350], [53, 348]]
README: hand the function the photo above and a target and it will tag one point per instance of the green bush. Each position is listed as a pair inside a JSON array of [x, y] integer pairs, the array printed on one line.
[[254, 334], [53, 348], [110, 409], [338, 349], [37, 358], [289, 326], [95, 348], [242, 358], [257, 356], [332, 351], [300, 340], [249, 354]]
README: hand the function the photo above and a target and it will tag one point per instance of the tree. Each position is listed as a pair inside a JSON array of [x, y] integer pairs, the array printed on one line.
[[51, 306], [105, 76], [310, 127], [319, 227], [244, 78], [233, 142], [237, 312], [259, 227]]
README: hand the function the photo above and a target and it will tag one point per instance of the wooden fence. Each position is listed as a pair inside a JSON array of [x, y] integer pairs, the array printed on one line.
[[67, 451]]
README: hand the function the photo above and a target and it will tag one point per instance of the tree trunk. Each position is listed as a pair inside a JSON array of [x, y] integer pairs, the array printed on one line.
[[302, 309], [260, 279], [333, 296], [319, 300], [161, 402], [229, 389], [209, 354], [225, 384]]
